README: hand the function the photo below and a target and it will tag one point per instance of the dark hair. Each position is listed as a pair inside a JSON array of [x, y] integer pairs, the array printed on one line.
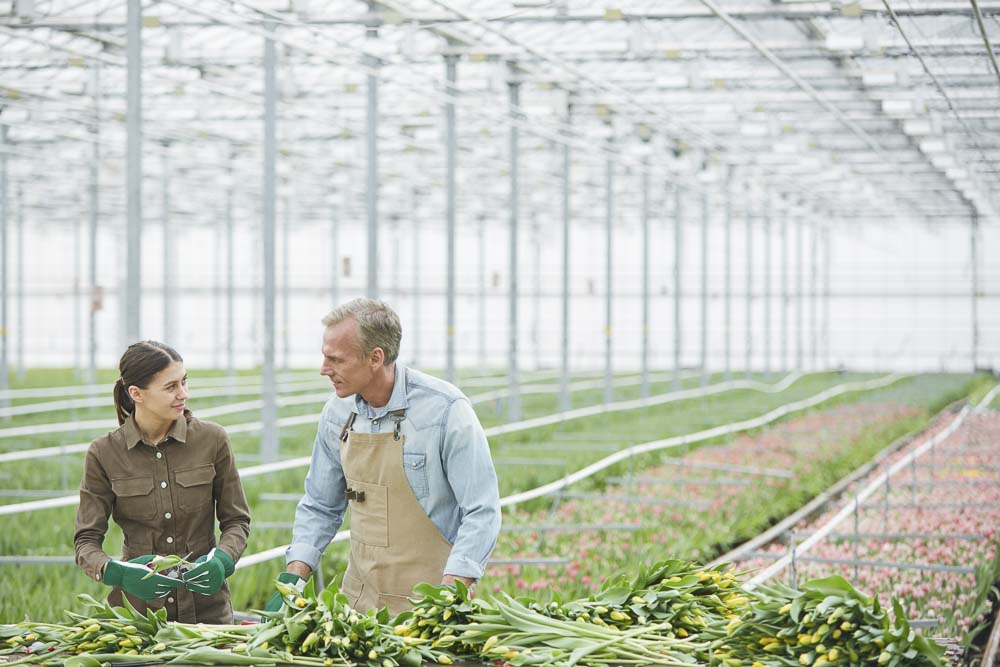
[[140, 363]]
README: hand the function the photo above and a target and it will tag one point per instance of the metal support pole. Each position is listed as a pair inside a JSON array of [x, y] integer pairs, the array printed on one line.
[[133, 170], [856, 531], [728, 287], [827, 346], [813, 298], [450, 145], [565, 402], [371, 193], [974, 300], [885, 507], [514, 88], [269, 410], [415, 324], [705, 213], [609, 214], [481, 237], [286, 226], [785, 297], [168, 248], [793, 571], [335, 267], [800, 294], [230, 278], [768, 241], [678, 254], [749, 286], [644, 365], [94, 196], [19, 288], [77, 319], [4, 380], [536, 292]]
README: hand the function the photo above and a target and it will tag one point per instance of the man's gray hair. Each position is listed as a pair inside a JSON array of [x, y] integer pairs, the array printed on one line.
[[378, 325]]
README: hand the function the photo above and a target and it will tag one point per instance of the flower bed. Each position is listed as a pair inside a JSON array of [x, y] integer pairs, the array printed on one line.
[[952, 498]]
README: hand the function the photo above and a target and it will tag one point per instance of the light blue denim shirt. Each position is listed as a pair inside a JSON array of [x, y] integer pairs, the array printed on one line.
[[446, 460]]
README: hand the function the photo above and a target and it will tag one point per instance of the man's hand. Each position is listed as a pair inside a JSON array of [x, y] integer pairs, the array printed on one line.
[[450, 579], [296, 575]]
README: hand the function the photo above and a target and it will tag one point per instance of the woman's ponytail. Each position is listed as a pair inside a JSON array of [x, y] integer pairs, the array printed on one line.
[[124, 405]]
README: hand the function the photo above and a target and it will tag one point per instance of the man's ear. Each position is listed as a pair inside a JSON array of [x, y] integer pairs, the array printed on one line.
[[377, 357]]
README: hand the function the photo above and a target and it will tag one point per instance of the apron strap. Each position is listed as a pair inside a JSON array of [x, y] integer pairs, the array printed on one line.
[[348, 425], [397, 417]]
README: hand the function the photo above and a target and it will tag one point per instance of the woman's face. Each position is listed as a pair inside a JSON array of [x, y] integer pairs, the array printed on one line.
[[166, 395]]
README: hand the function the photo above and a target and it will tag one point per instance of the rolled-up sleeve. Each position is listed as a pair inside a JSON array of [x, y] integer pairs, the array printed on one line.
[[96, 501], [468, 466], [231, 502], [320, 513]]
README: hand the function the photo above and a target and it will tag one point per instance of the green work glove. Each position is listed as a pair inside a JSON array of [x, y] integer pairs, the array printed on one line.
[[290, 578], [209, 573], [135, 578]]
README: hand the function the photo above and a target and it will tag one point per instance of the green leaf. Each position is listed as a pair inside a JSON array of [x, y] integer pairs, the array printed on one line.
[[82, 661], [833, 585], [425, 590], [929, 649], [207, 655], [796, 611], [615, 596]]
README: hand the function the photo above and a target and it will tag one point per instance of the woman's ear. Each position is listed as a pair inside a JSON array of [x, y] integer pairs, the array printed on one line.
[[135, 394]]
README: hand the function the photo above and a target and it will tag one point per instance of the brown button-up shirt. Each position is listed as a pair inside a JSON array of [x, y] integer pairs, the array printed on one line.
[[163, 498]]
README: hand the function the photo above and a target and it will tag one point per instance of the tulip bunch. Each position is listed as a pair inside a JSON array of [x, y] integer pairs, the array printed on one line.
[[682, 597], [827, 622], [428, 626], [325, 626]]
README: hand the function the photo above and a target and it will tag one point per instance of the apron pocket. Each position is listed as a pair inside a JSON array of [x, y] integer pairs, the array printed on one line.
[[194, 487], [416, 472], [352, 587], [370, 517], [134, 498]]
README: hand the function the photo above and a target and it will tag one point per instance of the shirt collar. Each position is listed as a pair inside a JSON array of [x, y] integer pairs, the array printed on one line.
[[397, 399], [133, 436]]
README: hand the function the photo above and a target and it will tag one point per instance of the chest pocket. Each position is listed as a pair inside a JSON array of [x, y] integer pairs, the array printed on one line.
[[414, 465], [194, 487], [134, 498], [370, 517]]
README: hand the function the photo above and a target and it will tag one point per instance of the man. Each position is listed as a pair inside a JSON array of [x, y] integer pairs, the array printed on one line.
[[406, 453]]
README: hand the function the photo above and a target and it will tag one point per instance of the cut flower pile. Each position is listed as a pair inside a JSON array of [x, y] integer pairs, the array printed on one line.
[[673, 613]]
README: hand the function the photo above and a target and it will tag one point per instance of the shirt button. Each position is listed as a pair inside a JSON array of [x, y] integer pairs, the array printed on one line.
[[170, 540], [159, 455], [374, 422], [163, 485], [167, 515], [170, 599]]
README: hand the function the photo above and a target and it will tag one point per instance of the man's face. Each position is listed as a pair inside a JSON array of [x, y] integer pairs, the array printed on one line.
[[343, 360]]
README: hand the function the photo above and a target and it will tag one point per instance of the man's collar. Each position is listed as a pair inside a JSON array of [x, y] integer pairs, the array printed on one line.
[[133, 436], [397, 399]]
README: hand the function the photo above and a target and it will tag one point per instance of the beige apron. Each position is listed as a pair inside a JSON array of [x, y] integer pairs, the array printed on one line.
[[394, 544]]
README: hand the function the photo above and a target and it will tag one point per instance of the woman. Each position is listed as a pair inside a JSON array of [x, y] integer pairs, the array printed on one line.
[[164, 476]]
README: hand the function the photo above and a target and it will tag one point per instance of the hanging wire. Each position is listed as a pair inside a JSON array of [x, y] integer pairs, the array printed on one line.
[[937, 82], [986, 38]]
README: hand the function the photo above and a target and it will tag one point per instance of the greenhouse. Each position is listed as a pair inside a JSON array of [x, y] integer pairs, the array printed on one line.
[[532, 332]]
